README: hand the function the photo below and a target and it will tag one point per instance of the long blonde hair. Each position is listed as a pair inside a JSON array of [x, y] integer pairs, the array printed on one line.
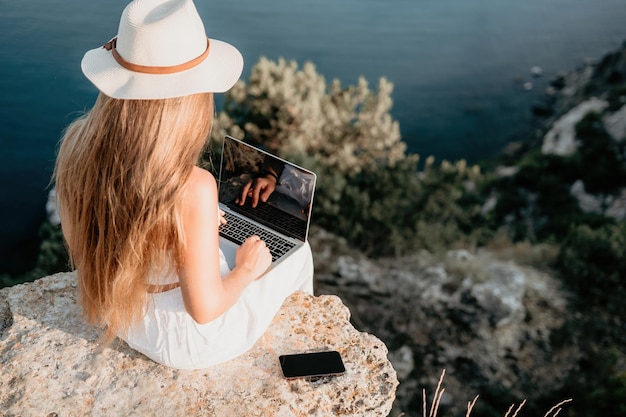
[[120, 175]]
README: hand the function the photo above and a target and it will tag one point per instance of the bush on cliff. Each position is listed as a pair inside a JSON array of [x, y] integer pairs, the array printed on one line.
[[292, 111], [52, 257], [536, 204], [369, 190], [593, 263]]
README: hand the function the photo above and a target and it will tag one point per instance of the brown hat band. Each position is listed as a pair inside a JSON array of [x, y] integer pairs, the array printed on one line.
[[110, 46]]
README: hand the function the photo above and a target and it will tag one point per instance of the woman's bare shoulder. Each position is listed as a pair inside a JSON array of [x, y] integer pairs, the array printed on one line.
[[201, 187], [201, 177]]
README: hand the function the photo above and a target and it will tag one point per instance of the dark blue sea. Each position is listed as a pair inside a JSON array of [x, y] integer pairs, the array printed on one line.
[[457, 65]]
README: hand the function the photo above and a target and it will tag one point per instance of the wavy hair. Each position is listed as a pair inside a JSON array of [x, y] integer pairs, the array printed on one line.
[[120, 175]]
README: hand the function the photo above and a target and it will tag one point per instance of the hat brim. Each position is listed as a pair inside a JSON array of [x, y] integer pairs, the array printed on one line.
[[216, 74]]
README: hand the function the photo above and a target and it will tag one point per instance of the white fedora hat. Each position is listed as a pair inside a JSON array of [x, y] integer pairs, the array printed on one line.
[[162, 51]]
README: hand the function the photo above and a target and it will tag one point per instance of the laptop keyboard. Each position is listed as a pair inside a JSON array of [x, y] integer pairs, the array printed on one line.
[[286, 223], [238, 229]]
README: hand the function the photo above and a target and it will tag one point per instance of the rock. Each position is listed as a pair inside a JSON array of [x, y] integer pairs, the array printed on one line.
[[542, 108], [501, 295], [6, 317], [609, 206], [52, 365], [615, 124], [559, 81], [617, 207], [507, 171], [488, 322], [536, 71], [359, 274], [52, 211], [588, 203], [489, 204], [561, 138], [403, 362]]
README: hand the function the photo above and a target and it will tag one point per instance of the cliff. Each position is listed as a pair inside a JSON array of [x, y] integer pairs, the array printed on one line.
[[53, 366], [486, 319], [523, 320]]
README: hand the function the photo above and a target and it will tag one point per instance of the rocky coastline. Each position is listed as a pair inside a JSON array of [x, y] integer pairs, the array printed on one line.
[[480, 316], [500, 328]]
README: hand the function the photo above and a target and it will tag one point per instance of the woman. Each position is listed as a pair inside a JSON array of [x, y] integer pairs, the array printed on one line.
[[141, 219]]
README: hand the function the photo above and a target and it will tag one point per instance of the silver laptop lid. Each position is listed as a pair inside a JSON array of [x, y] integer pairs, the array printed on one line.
[[288, 209]]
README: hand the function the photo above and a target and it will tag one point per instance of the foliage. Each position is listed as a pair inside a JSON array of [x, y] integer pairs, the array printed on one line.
[[609, 396], [599, 387], [601, 161], [593, 262], [369, 191], [394, 210], [292, 111], [52, 257], [536, 203]]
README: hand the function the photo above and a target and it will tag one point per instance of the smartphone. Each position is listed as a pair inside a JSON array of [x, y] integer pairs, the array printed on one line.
[[312, 364]]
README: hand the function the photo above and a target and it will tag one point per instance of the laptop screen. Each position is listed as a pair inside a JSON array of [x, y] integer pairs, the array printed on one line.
[[288, 207]]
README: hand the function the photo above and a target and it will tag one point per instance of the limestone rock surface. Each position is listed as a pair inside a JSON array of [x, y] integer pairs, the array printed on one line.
[[561, 138], [51, 365], [491, 323]]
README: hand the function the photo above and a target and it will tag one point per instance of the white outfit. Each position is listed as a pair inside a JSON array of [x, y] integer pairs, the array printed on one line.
[[168, 335]]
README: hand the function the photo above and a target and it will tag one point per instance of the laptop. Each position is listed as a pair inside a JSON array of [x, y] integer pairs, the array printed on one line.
[[282, 221]]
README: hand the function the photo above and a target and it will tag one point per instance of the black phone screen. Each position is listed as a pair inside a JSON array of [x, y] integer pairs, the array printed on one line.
[[312, 364]]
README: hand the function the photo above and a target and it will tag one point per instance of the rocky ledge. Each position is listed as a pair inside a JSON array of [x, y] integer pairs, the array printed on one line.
[[52, 365], [494, 325]]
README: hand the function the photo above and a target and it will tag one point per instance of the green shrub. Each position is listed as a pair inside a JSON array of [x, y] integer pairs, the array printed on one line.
[[608, 393], [536, 203], [598, 387], [292, 111], [593, 264], [395, 210], [369, 191], [52, 257], [600, 160]]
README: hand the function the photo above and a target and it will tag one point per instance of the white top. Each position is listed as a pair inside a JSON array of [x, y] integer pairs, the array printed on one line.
[[169, 336]]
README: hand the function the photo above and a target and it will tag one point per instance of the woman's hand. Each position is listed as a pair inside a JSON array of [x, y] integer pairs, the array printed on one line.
[[221, 217], [257, 188], [253, 257]]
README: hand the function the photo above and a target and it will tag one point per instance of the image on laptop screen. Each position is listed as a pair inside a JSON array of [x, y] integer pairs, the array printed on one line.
[[288, 208]]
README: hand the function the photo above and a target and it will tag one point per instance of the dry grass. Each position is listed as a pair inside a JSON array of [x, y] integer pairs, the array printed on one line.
[[540, 256], [436, 401]]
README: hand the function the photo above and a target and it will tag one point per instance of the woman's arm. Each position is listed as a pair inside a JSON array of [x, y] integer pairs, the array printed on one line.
[[205, 293]]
